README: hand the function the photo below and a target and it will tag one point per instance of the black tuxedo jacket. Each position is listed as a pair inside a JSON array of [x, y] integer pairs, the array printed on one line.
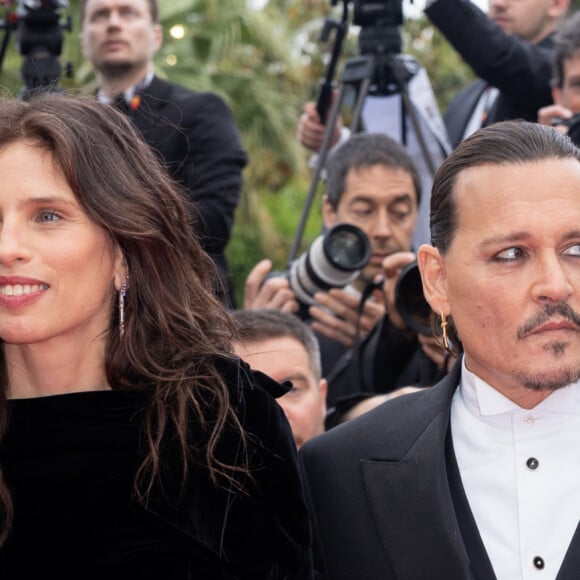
[[380, 498], [520, 70], [196, 137]]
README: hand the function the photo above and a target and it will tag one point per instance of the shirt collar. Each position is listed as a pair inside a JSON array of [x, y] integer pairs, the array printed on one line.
[[129, 93], [482, 399]]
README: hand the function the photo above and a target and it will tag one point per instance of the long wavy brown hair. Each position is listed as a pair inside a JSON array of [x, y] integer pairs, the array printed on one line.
[[175, 327]]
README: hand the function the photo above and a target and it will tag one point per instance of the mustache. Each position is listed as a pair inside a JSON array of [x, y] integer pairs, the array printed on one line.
[[547, 312]]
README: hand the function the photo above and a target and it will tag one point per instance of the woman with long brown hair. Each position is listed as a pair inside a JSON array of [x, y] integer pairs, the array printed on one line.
[[134, 444]]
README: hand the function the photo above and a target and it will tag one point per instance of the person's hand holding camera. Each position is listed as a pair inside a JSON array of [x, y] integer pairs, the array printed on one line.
[[546, 116], [335, 315], [274, 293]]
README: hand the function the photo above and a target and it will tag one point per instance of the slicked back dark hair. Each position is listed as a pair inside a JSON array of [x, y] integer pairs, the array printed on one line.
[[506, 143], [362, 151]]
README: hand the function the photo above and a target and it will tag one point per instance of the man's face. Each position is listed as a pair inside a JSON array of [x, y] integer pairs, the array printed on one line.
[[285, 359], [569, 94], [382, 202], [531, 20], [511, 276], [119, 35]]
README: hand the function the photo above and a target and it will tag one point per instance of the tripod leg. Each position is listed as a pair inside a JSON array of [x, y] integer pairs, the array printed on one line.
[[320, 163]]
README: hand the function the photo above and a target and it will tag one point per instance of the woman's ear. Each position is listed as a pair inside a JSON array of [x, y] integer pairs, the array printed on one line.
[[432, 268]]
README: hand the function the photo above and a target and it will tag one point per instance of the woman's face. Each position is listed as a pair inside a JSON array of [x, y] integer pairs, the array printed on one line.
[[58, 270]]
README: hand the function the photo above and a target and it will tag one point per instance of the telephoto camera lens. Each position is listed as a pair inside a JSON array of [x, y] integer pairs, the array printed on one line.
[[410, 300], [333, 260]]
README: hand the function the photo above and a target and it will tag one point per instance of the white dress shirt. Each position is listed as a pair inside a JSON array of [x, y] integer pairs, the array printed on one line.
[[521, 473]]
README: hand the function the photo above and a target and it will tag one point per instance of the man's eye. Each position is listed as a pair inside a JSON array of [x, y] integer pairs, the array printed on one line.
[[509, 254], [573, 250], [100, 15], [401, 215], [361, 211]]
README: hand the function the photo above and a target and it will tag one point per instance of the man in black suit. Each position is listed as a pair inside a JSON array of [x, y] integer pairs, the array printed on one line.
[[477, 477], [511, 52], [194, 133]]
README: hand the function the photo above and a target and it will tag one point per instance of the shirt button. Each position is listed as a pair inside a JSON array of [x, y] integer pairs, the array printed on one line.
[[539, 563], [532, 463], [529, 421]]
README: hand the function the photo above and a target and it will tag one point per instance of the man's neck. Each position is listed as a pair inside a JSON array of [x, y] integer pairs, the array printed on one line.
[[111, 85]]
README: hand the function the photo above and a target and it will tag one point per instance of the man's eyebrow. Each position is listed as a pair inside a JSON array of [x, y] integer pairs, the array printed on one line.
[[520, 237], [369, 197], [507, 239]]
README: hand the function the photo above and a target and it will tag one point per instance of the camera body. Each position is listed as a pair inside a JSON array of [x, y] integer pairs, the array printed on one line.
[[333, 260], [376, 12], [410, 300], [40, 39], [573, 124]]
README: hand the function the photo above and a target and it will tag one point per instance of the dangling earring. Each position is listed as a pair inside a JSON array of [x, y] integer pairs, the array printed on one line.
[[443, 325], [122, 294]]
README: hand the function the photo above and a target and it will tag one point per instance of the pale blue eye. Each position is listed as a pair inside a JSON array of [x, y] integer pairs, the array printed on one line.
[[48, 217]]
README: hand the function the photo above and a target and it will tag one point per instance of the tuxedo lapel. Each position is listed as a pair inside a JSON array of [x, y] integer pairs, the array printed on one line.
[[412, 491], [570, 569]]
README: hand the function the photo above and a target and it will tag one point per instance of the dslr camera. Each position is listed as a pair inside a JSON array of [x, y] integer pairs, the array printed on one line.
[[40, 39], [333, 260], [573, 124], [410, 300]]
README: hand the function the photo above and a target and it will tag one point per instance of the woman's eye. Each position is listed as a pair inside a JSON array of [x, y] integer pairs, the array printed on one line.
[[49, 216]]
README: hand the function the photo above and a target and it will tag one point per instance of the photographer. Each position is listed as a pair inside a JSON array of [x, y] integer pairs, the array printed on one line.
[[511, 50], [372, 183], [566, 76]]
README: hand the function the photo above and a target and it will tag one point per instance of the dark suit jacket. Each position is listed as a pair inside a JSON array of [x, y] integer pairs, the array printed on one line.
[[197, 139], [381, 505], [520, 70]]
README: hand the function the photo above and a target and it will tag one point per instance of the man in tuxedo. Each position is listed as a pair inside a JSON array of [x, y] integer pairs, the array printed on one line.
[[477, 477], [194, 134], [511, 52]]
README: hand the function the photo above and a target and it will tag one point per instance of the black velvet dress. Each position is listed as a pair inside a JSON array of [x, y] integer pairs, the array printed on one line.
[[70, 462]]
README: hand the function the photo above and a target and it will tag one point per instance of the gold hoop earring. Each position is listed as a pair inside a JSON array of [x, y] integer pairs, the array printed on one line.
[[443, 325]]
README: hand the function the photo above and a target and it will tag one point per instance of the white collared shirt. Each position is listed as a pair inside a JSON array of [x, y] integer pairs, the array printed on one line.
[[521, 473]]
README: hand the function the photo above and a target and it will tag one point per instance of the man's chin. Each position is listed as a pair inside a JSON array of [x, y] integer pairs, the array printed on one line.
[[551, 380], [120, 68]]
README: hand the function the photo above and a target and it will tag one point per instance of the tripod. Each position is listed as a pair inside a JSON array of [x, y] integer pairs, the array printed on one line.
[[358, 74]]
